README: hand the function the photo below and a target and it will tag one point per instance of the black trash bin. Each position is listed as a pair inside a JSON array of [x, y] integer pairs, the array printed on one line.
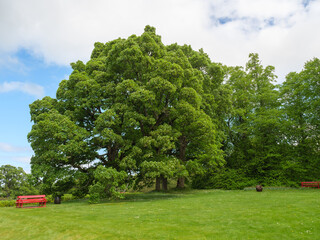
[[57, 200]]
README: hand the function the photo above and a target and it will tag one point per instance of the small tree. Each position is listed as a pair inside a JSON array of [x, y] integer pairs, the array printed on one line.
[[108, 183]]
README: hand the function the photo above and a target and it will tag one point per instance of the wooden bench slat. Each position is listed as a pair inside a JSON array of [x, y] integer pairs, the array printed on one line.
[[32, 196], [310, 184], [31, 201]]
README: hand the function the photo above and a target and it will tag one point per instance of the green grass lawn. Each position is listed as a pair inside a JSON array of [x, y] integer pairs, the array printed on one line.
[[207, 214]]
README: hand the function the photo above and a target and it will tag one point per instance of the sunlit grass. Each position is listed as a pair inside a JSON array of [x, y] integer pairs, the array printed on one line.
[[207, 214]]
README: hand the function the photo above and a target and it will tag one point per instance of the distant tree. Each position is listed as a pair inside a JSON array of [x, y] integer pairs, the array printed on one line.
[[14, 181], [300, 95], [254, 125], [273, 131]]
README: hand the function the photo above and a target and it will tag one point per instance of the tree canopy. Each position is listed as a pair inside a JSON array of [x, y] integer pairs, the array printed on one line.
[[140, 112]]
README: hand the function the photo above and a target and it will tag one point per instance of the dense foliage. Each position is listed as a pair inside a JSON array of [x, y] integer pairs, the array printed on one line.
[[300, 97], [140, 112], [273, 131]]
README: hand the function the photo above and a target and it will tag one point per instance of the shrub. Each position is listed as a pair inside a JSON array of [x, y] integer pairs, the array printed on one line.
[[7, 203], [67, 197], [96, 192], [232, 179], [229, 179], [49, 198]]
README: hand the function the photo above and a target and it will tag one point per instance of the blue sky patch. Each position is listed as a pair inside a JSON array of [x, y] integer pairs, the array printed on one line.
[[224, 20], [19, 84]]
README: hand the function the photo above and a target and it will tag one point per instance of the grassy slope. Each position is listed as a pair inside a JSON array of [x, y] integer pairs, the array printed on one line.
[[213, 214]]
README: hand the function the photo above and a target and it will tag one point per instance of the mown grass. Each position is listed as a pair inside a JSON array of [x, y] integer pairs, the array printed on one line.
[[206, 214]]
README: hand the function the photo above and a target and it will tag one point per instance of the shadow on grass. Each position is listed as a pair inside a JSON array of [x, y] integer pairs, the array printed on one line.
[[134, 197], [129, 197]]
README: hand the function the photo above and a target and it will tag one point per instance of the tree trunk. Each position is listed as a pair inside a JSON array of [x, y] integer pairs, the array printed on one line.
[[158, 187], [183, 142], [180, 182], [164, 184], [112, 155], [182, 148]]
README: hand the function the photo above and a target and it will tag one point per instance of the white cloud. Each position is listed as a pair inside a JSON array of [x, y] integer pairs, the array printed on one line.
[[28, 88], [15, 155], [11, 62], [17, 161], [5, 147], [24, 159], [283, 32]]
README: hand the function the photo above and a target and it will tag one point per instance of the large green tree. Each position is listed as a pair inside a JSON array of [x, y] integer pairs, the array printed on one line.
[[136, 106]]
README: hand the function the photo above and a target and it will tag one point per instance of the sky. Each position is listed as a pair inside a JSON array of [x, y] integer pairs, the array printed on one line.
[[40, 38]]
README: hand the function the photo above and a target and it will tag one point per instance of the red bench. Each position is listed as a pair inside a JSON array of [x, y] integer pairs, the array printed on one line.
[[41, 199], [310, 184]]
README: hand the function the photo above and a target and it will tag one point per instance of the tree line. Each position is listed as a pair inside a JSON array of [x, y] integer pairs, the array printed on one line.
[[140, 113]]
